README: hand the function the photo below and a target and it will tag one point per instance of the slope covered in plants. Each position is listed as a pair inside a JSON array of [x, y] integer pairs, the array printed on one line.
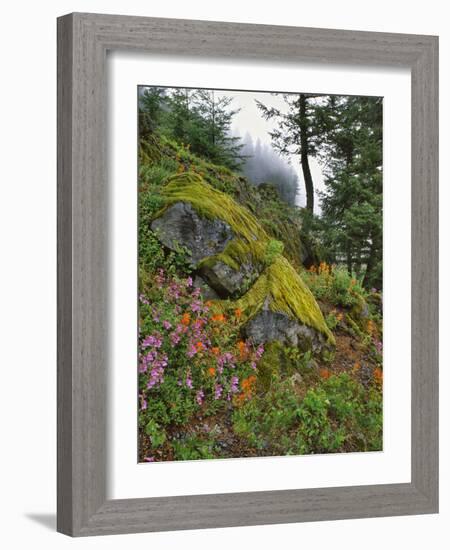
[[209, 387]]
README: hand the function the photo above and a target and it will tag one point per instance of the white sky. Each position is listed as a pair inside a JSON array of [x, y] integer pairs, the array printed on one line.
[[250, 120]]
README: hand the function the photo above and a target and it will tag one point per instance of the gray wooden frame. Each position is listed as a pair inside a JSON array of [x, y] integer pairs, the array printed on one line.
[[83, 40]]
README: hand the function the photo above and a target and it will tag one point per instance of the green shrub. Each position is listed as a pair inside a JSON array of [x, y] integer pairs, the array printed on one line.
[[337, 415], [334, 284], [193, 448]]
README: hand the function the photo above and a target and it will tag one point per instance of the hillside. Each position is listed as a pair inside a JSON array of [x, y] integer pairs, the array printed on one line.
[[249, 344]]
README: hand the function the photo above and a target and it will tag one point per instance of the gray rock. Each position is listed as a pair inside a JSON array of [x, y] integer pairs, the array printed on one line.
[[208, 293], [268, 326], [227, 281], [181, 225]]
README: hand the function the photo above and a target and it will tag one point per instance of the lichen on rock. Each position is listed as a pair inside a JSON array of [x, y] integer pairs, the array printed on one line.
[[181, 225], [234, 255], [279, 297]]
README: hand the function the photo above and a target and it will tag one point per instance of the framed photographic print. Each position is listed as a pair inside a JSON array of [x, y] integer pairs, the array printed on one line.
[[247, 274]]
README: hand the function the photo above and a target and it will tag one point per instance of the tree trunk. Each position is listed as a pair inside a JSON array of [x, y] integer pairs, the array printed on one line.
[[370, 264], [349, 260], [304, 147]]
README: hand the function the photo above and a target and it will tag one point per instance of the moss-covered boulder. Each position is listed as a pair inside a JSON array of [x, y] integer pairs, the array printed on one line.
[[233, 255], [226, 244], [181, 225], [280, 307]]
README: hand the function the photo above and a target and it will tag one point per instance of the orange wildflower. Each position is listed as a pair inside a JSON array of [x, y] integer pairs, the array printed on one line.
[[324, 373], [356, 367], [219, 317], [186, 319], [211, 371], [239, 399], [208, 303], [324, 268], [378, 375], [199, 346], [215, 350], [370, 326], [242, 348], [248, 383], [238, 313]]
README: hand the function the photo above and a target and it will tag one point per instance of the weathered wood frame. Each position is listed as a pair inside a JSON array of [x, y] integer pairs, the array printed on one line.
[[83, 40]]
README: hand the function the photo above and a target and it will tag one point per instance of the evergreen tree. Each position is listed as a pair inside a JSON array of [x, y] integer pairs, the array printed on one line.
[[181, 118], [152, 106], [201, 119], [296, 133], [218, 144], [352, 203]]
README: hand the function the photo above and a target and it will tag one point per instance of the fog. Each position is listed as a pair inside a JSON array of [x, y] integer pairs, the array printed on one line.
[[253, 128]]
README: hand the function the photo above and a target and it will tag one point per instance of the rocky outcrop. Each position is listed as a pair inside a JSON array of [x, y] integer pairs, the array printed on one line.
[[208, 292], [226, 280], [180, 225], [274, 326], [238, 266]]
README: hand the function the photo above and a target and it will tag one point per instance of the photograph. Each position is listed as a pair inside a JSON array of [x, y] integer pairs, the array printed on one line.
[[222, 251], [260, 273]]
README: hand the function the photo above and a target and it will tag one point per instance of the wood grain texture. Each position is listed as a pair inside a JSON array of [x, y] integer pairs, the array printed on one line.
[[83, 198]]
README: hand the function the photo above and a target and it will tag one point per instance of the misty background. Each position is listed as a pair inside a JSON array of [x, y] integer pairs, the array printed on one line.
[[261, 163], [264, 163]]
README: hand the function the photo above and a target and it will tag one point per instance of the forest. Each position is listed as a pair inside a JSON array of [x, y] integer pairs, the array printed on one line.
[[260, 274]]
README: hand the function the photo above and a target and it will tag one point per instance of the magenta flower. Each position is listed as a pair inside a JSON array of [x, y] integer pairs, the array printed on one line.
[[191, 351], [157, 371], [234, 384], [175, 338], [143, 403], [143, 367], [167, 325], [218, 391], [200, 396], [152, 340], [226, 358], [259, 351]]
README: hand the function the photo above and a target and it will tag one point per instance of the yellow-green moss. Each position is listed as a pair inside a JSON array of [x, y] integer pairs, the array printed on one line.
[[251, 242], [283, 289], [280, 220], [278, 283], [212, 203]]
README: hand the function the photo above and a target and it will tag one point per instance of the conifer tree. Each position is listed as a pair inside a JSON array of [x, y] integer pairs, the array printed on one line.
[[352, 203], [296, 134], [218, 144]]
